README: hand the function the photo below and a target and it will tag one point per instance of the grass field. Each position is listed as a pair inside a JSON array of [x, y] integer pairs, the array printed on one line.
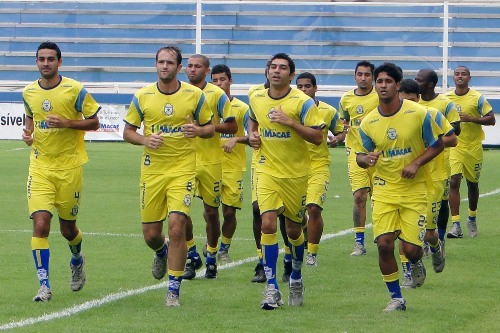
[[343, 294]]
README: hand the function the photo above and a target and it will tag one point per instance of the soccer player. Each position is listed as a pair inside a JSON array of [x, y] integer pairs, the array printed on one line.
[[409, 89], [427, 80], [466, 159], [395, 137], [233, 162], [58, 112], [319, 173], [208, 167], [354, 106], [170, 111], [282, 119]]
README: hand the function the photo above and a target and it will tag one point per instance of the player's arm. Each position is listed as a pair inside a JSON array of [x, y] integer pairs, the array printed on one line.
[[88, 124], [310, 134], [450, 139], [192, 130], [429, 153], [487, 120], [130, 135], [456, 128], [28, 131], [232, 142], [253, 134], [334, 140], [229, 126]]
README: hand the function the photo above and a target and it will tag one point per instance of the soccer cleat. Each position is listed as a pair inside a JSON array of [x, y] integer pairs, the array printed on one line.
[[417, 273], [396, 304], [44, 294], [78, 276], [359, 249], [407, 283], [223, 257], [159, 267], [296, 297], [172, 299], [272, 298], [287, 272], [438, 259], [455, 232], [260, 275], [311, 260], [192, 264], [471, 228], [211, 271]]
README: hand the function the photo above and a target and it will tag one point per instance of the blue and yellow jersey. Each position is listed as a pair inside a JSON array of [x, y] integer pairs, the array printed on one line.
[[355, 108], [168, 113], [208, 151], [476, 105], [283, 153], [236, 159], [400, 138], [440, 165], [445, 105], [320, 156], [58, 148], [255, 88], [448, 109]]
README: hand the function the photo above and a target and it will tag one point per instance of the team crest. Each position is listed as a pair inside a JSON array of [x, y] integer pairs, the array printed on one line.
[[323, 198], [46, 106], [359, 109], [187, 200], [168, 109], [459, 108], [421, 235], [74, 211], [217, 199], [391, 134]]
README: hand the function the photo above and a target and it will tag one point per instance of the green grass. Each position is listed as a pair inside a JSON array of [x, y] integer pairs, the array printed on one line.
[[343, 294]]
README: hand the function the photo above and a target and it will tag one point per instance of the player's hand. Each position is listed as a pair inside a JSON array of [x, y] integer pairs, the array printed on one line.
[[331, 140], [254, 140], [55, 121], [229, 145], [191, 128], [465, 118], [278, 116], [154, 141], [410, 171], [27, 136], [371, 158]]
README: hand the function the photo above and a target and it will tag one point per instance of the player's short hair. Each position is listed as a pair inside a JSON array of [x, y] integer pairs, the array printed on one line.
[[221, 68], [286, 57], [51, 46], [432, 76], [364, 63], [206, 61], [171, 48], [409, 86], [464, 67], [307, 75], [391, 70]]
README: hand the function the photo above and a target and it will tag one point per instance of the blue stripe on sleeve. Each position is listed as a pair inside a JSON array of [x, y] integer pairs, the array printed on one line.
[[198, 108], [448, 108], [368, 143], [427, 134], [80, 99], [220, 105], [480, 105], [245, 120], [28, 109], [135, 101], [333, 123], [305, 109]]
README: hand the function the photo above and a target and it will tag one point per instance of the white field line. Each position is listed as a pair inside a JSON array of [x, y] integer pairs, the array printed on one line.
[[117, 296]]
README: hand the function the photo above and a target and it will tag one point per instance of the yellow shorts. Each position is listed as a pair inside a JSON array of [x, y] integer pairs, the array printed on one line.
[[467, 162], [407, 219], [434, 204], [59, 189], [208, 183], [446, 192], [162, 194], [317, 186], [358, 177], [253, 180], [284, 195], [232, 188]]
